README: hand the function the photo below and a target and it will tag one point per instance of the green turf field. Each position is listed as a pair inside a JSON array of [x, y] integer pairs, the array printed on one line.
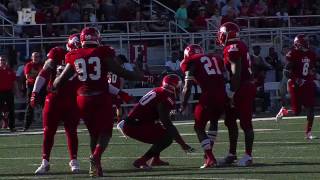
[[280, 152]]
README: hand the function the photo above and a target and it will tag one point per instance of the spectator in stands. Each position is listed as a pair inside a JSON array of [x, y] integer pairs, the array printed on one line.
[[88, 13], [109, 10], [230, 17], [7, 84], [215, 20], [259, 68], [244, 14], [162, 24], [283, 16], [182, 15], [71, 15], [139, 26], [193, 9], [259, 8], [173, 64], [294, 7], [275, 62], [200, 22], [230, 4], [31, 71]]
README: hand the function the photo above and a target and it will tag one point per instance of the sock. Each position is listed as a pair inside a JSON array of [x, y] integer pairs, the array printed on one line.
[[309, 125], [249, 137], [48, 140], [212, 135], [233, 140], [72, 140], [98, 152], [206, 144]]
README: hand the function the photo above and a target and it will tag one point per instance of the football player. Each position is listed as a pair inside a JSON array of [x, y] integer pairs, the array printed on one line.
[[149, 122], [300, 71], [207, 72], [58, 106], [91, 64], [241, 92]]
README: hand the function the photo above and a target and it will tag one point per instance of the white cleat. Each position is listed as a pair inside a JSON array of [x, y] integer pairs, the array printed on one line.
[[246, 160], [74, 166], [309, 136], [283, 111], [43, 168]]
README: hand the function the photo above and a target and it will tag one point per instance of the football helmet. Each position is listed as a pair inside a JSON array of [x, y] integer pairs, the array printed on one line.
[[171, 83], [193, 49], [90, 35], [228, 32], [301, 42], [73, 42]]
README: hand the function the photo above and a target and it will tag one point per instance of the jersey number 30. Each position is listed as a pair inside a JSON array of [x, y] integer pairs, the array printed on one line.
[[82, 69]]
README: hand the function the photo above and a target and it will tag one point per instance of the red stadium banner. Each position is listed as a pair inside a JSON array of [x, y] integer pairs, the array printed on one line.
[[135, 50]]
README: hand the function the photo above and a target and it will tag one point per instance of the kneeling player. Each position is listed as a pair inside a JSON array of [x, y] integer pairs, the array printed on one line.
[[149, 122]]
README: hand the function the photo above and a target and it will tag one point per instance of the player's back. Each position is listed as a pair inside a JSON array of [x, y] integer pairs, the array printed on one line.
[[146, 108], [90, 66], [302, 63], [238, 51], [208, 70]]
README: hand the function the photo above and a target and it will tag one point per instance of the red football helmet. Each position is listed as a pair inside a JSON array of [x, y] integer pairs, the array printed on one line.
[[73, 42], [228, 32], [171, 83], [90, 35], [301, 42], [193, 49]]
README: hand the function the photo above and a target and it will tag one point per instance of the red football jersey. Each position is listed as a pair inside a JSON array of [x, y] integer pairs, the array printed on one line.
[[302, 64], [208, 70], [114, 79], [57, 55], [238, 51], [89, 65], [146, 108]]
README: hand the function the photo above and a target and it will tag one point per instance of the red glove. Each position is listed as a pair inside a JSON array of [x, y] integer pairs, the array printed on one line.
[[34, 99], [148, 78], [125, 96]]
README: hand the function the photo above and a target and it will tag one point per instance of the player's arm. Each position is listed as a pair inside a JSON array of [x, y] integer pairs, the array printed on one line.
[[186, 91], [44, 75], [66, 74], [41, 80], [115, 67], [164, 115], [236, 74], [123, 95], [287, 70]]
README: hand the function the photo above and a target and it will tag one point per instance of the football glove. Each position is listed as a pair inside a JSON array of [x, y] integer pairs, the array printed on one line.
[[34, 99]]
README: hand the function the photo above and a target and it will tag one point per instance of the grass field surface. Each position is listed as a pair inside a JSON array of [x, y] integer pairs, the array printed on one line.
[[280, 152]]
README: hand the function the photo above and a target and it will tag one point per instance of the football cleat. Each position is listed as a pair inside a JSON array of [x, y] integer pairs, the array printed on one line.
[[95, 167], [208, 162], [246, 160], [283, 112], [43, 168], [156, 161], [141, 163], [309, 136], [74, 166], [228, 160]]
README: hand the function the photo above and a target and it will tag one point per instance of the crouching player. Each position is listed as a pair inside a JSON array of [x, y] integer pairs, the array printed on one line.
[[149, 122]]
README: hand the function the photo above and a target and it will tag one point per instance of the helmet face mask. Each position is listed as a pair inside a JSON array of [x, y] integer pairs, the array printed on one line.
[[73, 42], [301, 42], [228, 32], [90, 36], [192, 50]]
